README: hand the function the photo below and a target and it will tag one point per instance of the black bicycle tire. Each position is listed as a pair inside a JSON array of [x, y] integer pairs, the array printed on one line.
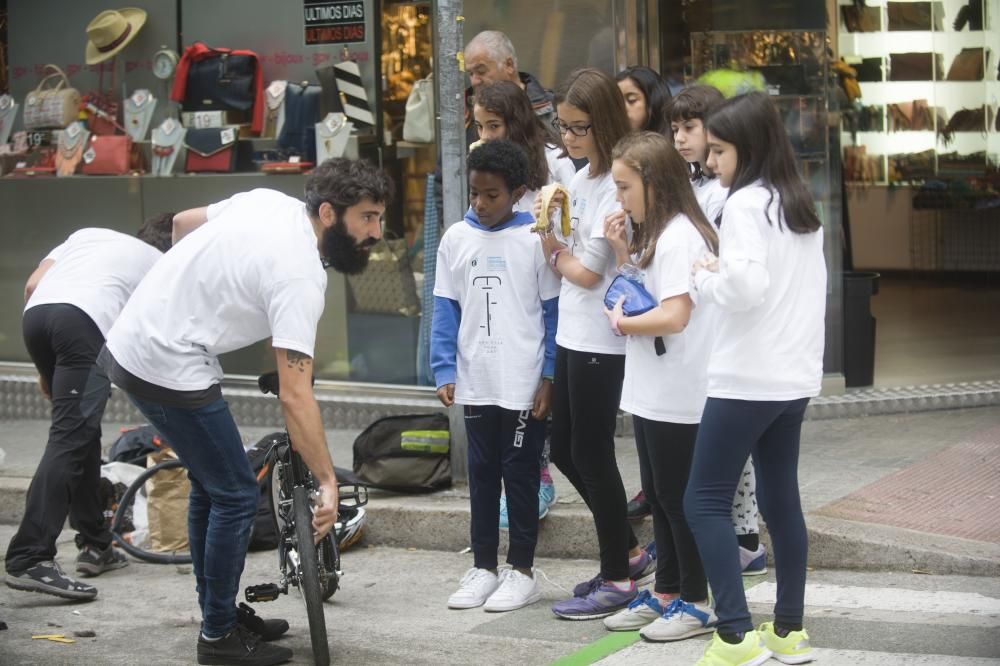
[[332, 579], [126, 500], [309, 584]]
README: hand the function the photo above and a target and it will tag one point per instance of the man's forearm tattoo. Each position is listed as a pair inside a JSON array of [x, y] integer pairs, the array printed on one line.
[[298, 360]]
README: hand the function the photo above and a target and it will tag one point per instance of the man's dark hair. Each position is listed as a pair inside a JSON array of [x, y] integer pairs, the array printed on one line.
[[342, 183], [503, 158], [158, 231]]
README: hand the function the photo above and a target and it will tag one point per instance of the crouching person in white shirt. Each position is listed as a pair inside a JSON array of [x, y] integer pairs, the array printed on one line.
[[71, 300], [241, 270]]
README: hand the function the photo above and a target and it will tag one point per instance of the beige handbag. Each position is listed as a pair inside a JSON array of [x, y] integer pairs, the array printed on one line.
[[51, 107], [418, 126]]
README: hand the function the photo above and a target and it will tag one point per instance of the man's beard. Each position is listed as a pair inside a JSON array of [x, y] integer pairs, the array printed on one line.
[[342, 252]]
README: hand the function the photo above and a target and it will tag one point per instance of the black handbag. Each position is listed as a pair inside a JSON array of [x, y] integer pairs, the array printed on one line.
[[222, 81], [870, 70], [298, 134]]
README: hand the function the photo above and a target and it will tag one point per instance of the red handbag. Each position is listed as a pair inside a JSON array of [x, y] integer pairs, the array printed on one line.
[[107, 155], [211, 149]]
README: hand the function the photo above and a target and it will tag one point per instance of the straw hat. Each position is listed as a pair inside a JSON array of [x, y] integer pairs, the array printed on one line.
[[111, 31]]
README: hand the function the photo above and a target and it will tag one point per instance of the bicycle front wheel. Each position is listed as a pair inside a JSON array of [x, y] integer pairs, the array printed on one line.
[[309, 584]]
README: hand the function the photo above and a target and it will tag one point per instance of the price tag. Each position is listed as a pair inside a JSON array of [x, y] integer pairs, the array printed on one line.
[[89, 156], [73, 130], [276, 88], [294, 159], [227, 136], [139, 97], [39, 138], [168, 125]]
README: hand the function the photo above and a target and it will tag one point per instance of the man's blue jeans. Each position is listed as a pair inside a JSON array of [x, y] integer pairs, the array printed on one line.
[[222, 506]]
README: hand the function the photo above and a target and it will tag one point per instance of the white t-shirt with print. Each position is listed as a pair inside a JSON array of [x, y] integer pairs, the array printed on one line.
[[252, 271], [711, 196], [672, 387], [95, 270], [771, 288], [583, 326], [561, 170], [499, 279]]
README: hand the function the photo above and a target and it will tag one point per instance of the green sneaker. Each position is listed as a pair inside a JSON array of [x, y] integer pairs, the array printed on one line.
[[792, 649], [751, 652]]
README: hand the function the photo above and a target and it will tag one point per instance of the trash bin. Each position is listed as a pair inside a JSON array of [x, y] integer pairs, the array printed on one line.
[[859, 328]]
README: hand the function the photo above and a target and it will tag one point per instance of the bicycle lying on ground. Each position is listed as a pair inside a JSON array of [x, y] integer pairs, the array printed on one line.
[[312, 568]]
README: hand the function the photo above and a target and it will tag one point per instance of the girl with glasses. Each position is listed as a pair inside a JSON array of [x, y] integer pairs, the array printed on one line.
[[590, 358]]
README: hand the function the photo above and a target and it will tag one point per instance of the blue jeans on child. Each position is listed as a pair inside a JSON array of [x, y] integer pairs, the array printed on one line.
[[731, 430], [223, 502]]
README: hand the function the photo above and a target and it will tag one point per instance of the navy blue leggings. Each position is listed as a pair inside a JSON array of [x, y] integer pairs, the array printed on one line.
[[729, 431]]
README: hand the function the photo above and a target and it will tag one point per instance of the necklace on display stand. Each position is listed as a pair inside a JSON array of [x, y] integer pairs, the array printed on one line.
[[8, 112], [274, 99], [71, 143], [139, 108], [168, 141], [331, 136]]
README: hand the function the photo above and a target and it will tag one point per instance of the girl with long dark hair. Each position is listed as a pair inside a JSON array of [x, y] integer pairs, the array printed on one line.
[[769, 280], [647, 97]]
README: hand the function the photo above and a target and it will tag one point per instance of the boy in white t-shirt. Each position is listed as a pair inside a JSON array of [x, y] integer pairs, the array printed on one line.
[[72, 299], [493, 352], [242, 270]]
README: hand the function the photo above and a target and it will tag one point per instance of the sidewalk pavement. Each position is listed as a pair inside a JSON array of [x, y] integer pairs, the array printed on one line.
[[906, 492]]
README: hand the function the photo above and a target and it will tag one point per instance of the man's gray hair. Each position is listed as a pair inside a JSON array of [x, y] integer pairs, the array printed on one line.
[[495, 43]]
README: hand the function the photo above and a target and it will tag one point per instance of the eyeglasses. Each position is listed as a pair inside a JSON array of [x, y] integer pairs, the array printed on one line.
[[575, 130]]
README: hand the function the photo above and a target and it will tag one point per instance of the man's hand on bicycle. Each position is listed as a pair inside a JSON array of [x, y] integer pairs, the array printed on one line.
[[325, 510]]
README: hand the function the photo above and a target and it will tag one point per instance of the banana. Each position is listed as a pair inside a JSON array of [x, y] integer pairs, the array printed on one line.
[[547, 193]]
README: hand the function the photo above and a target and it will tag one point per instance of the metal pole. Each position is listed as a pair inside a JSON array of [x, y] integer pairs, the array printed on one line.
[[449, 79]]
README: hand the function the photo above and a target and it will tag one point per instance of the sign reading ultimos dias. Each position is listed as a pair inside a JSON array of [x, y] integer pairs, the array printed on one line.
[[334, 22]]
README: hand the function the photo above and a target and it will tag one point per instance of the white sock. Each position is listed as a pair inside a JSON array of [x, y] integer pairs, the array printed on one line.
[[624, 587], [210, 640]]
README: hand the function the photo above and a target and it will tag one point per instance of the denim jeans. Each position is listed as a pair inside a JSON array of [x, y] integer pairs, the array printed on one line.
[[222, 506]]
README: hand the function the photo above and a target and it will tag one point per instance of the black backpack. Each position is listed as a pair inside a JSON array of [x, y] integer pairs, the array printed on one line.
[[409, 453]]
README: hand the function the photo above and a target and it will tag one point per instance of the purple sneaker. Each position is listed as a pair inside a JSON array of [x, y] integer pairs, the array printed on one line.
[[642, 572], [605, 599]]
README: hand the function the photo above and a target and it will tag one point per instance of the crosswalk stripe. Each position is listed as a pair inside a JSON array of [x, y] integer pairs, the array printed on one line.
[[688, 652], [885, 599]]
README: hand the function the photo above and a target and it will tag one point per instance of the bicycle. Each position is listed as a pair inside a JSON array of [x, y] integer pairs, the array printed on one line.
[[312, 568]]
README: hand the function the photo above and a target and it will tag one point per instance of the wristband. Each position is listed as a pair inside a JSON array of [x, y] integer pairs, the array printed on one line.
[[554, 257]]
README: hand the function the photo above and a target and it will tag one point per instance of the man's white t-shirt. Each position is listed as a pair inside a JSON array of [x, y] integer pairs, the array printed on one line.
[[583, 326], [95, 270], [561, 170], [771, 288], [499, 278], [711, 196], [671, 387], [250, 272]]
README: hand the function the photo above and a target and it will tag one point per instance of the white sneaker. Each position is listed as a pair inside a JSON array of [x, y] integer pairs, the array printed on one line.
[[516, 591], [476, 587], [644, 609], [679, 621]]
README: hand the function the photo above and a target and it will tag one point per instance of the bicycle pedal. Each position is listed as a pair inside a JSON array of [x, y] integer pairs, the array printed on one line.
[[266, 592]]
